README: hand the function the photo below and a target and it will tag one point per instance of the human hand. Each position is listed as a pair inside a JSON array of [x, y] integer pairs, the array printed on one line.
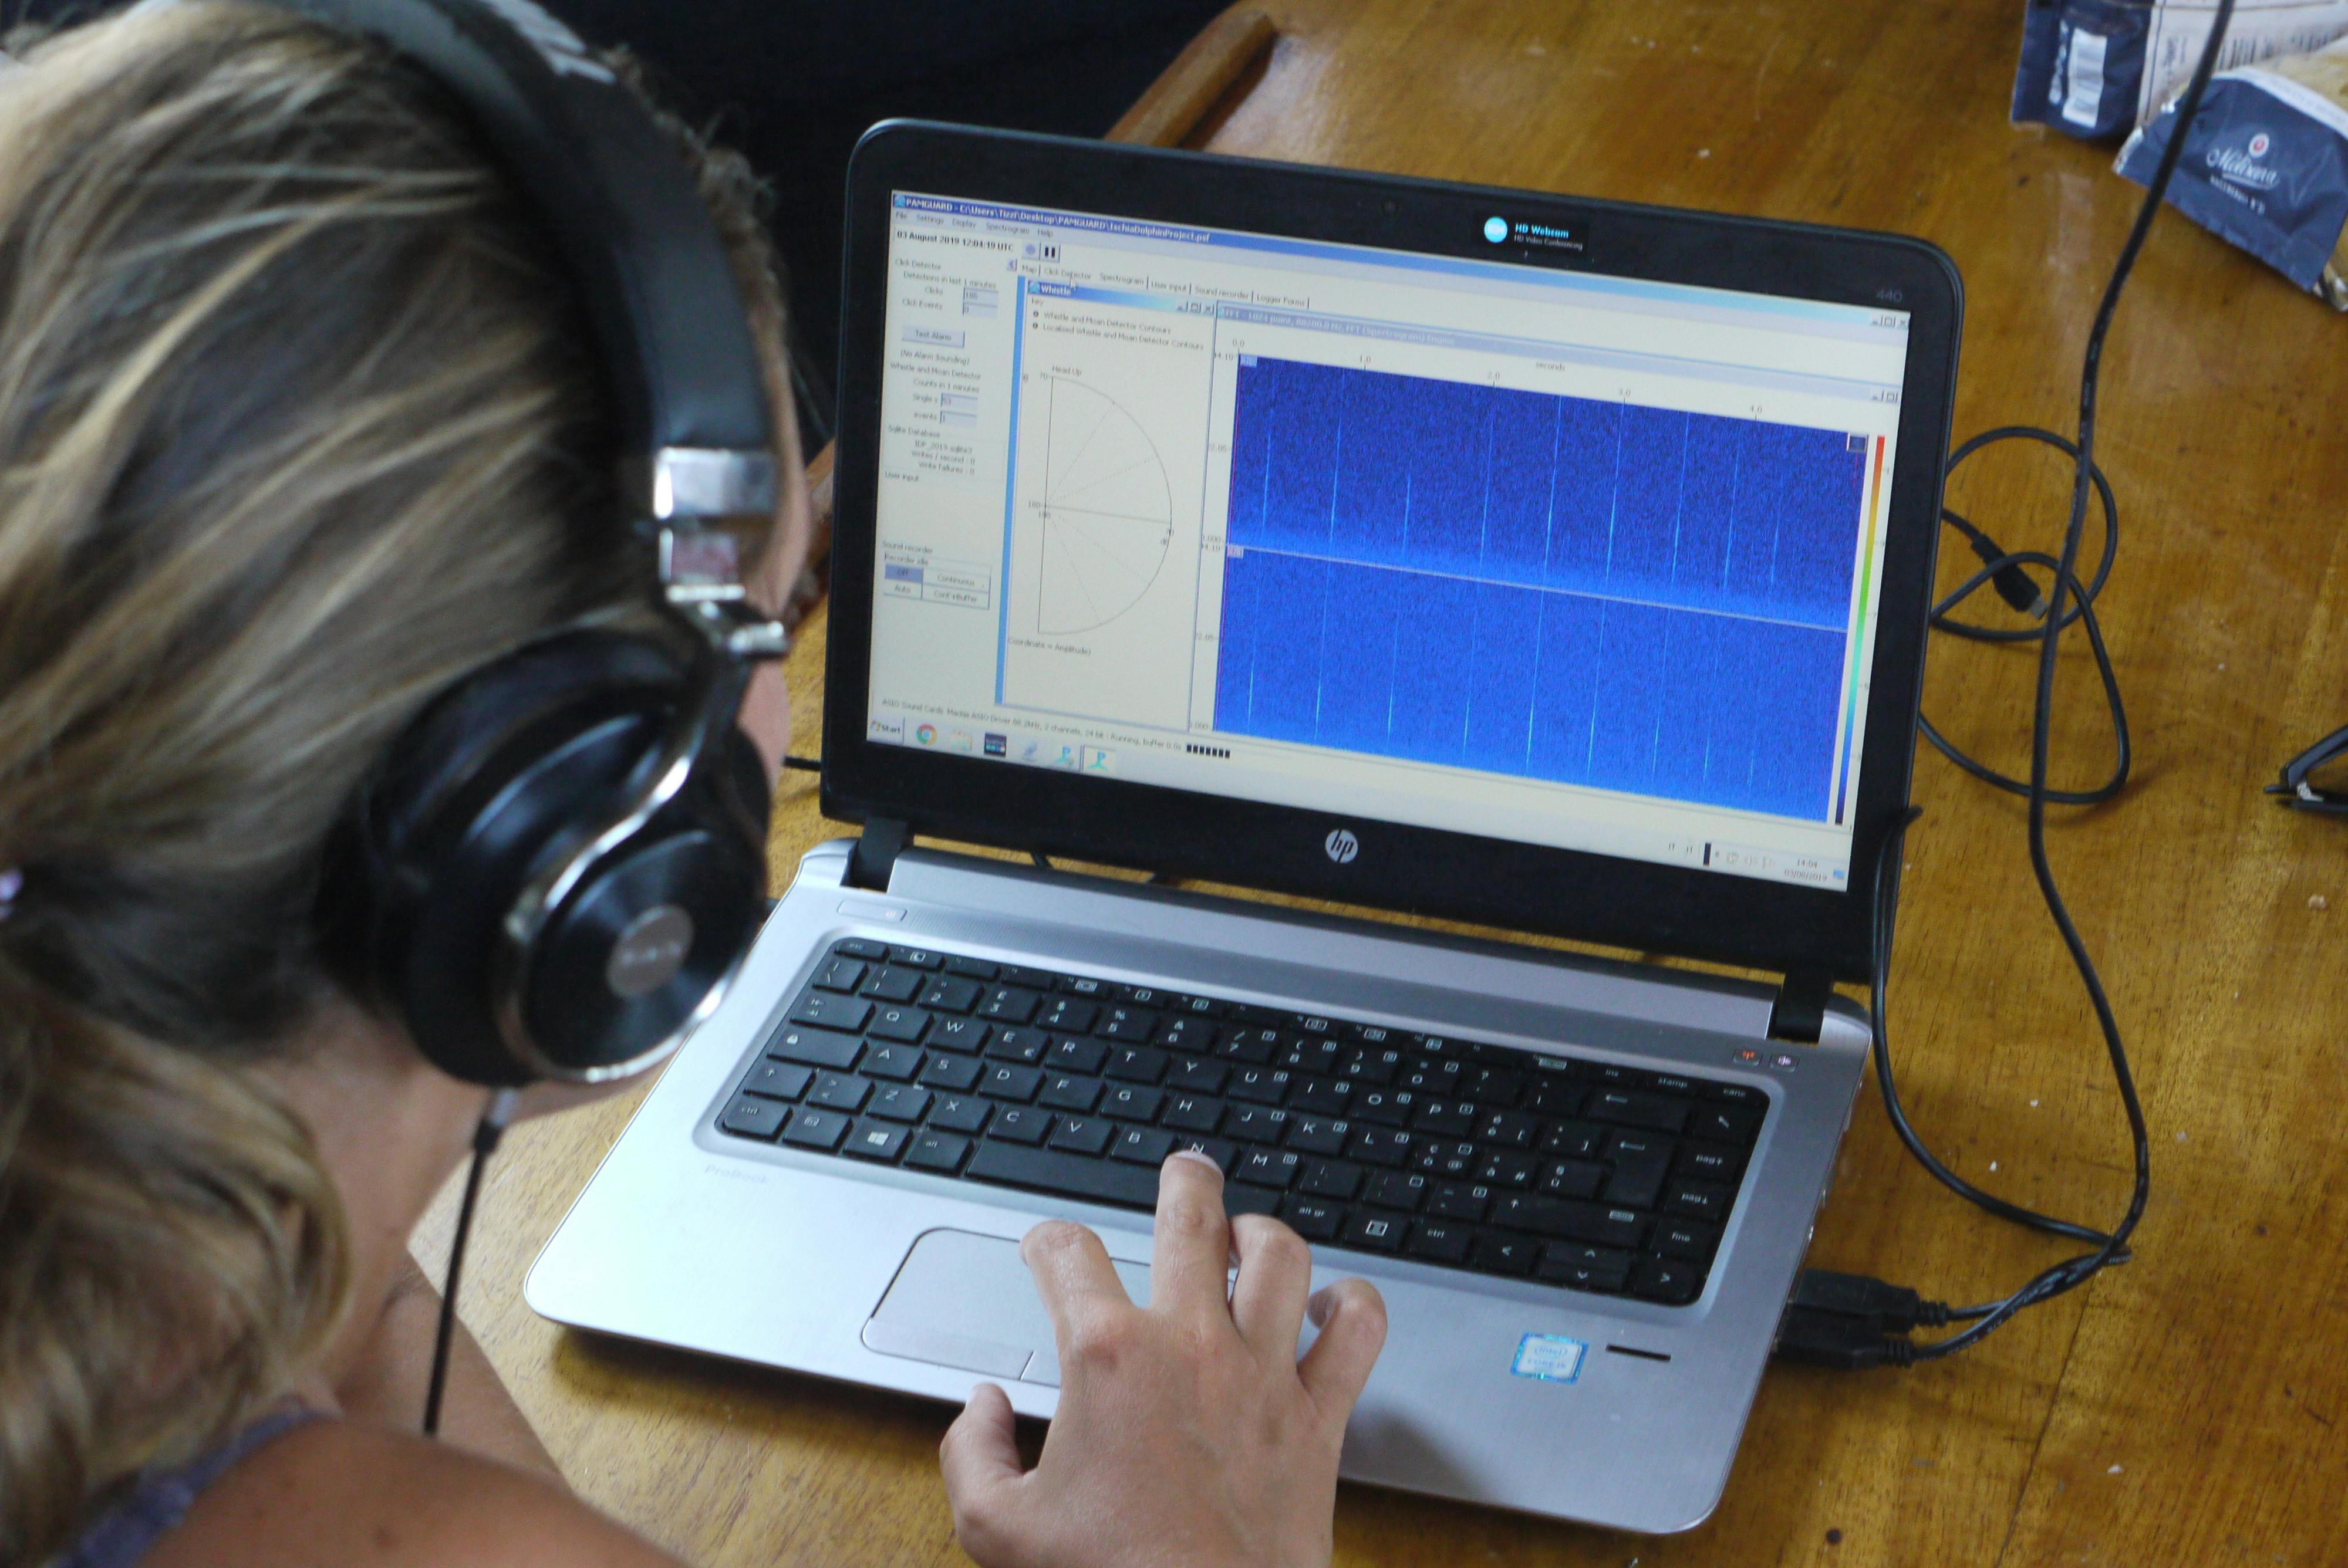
[[1188, 1433]]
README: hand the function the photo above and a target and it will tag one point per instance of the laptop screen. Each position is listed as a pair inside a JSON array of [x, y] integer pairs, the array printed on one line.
[[1531, 554]]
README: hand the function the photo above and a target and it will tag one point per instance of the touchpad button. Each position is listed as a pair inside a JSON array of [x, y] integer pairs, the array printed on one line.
[[966, 1300]]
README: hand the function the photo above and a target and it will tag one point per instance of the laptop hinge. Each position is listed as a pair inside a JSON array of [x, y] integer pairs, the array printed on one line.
[[1800, 1012], [874, 859]]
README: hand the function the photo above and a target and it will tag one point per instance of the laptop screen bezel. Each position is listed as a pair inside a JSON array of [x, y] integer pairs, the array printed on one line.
[[1643, 905]]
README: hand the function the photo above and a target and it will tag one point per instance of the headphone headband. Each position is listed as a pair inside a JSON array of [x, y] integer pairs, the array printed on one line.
[[687, 391]]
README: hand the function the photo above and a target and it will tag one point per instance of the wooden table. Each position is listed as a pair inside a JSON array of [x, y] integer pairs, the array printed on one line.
[[2180, 1411]]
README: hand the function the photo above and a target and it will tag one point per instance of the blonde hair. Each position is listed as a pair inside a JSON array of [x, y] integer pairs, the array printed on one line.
[[297, 429]]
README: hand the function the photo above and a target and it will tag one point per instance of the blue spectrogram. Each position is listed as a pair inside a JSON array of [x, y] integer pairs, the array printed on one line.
[[1595, 593]]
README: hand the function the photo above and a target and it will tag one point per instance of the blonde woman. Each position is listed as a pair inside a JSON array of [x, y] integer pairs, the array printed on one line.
[[294, 433]]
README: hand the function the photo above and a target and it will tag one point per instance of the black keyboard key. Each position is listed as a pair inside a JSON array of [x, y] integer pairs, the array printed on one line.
[[818, 1130], [1373, 1232], [1497, 1086], [935, 1151], [1439, 1078], [839, 1092], [951, 994], [1560, 1257], [861, 948], [1386, 1107], [1070, 1092], [777, 1081], [1743, 1095], [1667, 1280], [1510, 1129], [959, 1074], [904, 1025], [1255, 1124], [1252, 1046], [1321, 1096], [1698, 1200], [1314, 1219], [1009, 1004], [1712, 1162], [1573, 1141], [876, 1140], [1024, 1046], [1142, 1146], [1444, 1118], [841, 975], [1457, 1200], [917, 957], [1320, 1134], [1085, 1056], [1020, 1125], [1133, 1102], [970, 968], [1507, 1168], [1531, 1212], [959, 1034], [1238, 1198], [1553, 1095], [1204, 1007], [1145, 996], [1509, 1255], [1081, 1135], [1604, 1226], [1636, 1182], [1438, 1241], [1573, 1178], [891, 983], [751, 1117], [1188, 1035], [897, 1064], [1330, 1179], [1583, 1276], [1403, 1190], [1128, 1025], [1258, 1086], [1369, 1065], [1268, 1167], [1077, 985], [1138, 1064], [1032, 979], [1374, 1033], [1725, 1124], [1380, 1146], [1192, 1113], [1624, 1146], [1006, 1081], [1637, 1107], [961, 1114], [1310, 1058], [821, 1009], [1198, 1075], [1070, 1175], [899, 1103], [1069, 1013], [1692, 1240], [1671, 1083], [1607, 1073], [1448, 1161], [1221, 1151]]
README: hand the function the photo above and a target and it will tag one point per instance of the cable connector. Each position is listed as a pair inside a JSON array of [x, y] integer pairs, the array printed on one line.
[[1884, 1308], [2014, 585], [1845, 1344]]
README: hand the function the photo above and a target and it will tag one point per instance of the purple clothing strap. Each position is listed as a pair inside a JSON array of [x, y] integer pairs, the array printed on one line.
[[162, 1498]]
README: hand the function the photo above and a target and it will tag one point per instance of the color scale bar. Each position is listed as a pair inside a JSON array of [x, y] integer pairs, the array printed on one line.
[[1858, 629]]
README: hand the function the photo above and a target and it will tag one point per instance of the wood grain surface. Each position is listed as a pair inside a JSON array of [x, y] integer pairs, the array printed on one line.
[[2182, 1409]]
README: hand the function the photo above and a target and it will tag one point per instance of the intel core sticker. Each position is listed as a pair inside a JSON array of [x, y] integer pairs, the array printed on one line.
[[1552, 1358]]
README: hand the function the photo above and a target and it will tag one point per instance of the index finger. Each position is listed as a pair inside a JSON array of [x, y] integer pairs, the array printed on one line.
[[1073, 1275], [1191, 1258]]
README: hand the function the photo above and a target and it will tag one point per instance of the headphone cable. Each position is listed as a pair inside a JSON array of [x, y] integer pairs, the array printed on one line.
[[486, 1133]]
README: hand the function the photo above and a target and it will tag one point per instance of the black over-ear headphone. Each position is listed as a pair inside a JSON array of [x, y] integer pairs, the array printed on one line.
[[555, 871]]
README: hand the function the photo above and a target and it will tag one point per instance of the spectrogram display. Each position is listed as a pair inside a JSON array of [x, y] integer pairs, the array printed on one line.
[[1594, 593]]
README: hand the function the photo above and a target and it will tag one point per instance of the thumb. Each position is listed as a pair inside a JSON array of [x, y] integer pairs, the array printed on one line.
[[980, 1454]]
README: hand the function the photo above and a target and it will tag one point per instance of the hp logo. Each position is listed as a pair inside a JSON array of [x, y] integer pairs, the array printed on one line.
[[1342, 845]]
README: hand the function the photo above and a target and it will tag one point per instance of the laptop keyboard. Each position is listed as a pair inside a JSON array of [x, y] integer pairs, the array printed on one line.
[[1582, 1174]]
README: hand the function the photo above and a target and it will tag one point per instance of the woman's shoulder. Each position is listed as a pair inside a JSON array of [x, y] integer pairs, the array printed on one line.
[[354, 1492]]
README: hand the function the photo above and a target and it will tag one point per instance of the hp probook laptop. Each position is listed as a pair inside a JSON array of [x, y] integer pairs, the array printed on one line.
[[1555, 565]]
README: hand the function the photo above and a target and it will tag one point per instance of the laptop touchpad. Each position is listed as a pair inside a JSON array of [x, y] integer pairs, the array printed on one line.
[[966, 1300]]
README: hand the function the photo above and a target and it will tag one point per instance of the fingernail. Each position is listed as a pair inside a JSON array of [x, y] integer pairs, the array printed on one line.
[[1321, 1308], [1199, 1154]]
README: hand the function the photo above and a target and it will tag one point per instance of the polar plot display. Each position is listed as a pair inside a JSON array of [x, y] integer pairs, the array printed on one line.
[[1106, 512]]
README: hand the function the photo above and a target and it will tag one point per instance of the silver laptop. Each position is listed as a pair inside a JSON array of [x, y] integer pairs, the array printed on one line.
[[1555, 566]]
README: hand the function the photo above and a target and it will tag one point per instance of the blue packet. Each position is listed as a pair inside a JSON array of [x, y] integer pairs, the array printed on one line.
[[2081, 65], [2264, 166]]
